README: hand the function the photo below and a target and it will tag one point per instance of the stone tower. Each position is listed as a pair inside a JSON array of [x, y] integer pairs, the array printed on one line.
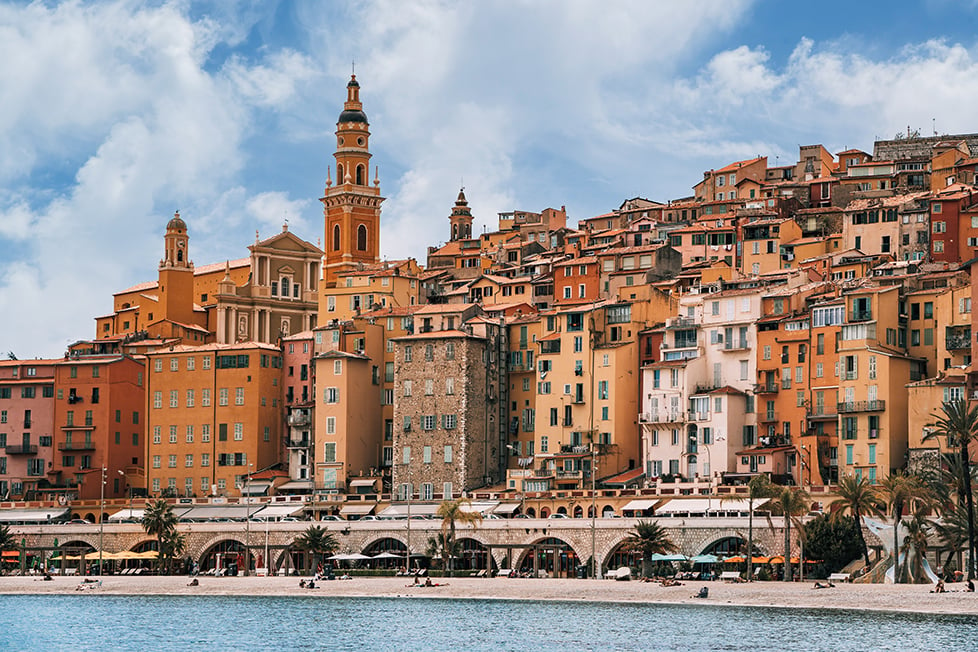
[[461, 218]]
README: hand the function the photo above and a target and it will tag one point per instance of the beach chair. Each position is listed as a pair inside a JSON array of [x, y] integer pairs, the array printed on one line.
[[840, 577], [730, 576]]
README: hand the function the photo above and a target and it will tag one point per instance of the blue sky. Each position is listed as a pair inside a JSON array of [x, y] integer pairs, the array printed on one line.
[[115, 114]]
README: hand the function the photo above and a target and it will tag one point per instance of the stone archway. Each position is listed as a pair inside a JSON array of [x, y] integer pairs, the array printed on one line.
[[551, 555], [222, 554]]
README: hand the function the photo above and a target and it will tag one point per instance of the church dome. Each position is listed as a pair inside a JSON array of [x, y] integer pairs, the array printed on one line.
[[176, 223], [353, 116]]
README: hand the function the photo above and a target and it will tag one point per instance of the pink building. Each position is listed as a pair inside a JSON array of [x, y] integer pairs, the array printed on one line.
[[26, 426]]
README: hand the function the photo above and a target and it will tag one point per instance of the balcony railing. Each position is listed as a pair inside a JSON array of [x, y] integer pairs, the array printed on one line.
[[861, 315], [766, 388], [736, 345], [823, 412], [21, 450], [299, 443], [767, 416], [681, 322], [693, 415], [862, 406], [570, 474], [664, 416], [957, 340], [299, 419], [76, 446]]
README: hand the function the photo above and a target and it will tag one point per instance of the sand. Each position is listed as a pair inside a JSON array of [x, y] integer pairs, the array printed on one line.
[[880, 597]]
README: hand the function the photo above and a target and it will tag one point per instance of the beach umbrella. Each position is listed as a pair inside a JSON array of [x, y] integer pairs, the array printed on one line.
[[658, 556], [339, 557], [356, 556], [388, 555], [675, 557], [735, 560], [705, 559]]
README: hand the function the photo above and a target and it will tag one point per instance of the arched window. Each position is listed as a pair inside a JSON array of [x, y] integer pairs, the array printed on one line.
[[336, 237], [454, 231], [361, 238], [179, 255], [339, 174], [361, 174]]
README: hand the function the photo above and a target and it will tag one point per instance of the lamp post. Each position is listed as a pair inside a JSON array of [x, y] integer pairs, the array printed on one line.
[[247, 489], [594, 510], [129, 489], [101, 516]]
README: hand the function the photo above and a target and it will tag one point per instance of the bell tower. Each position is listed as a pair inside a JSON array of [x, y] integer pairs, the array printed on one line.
[[461, 218], [176, 274], [352, 206]]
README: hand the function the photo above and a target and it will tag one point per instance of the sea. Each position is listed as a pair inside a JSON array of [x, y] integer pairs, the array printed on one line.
[[102, 622]]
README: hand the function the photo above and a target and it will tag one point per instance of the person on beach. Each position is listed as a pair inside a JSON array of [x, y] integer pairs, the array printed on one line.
[[302, 584], [939, 587], [971, 587], [194, 582]]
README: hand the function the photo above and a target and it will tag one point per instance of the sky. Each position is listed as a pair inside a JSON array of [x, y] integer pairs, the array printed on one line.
[[116, 114]]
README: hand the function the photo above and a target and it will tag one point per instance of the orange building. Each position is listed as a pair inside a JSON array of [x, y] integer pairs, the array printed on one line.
[[214, 415], [99, 422]]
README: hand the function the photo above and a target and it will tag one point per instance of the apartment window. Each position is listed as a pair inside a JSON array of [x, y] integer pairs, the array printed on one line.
[[190, 364], [544, 444], [408, 388], [174, 364], [428, 422], [406, 455], [449, 421], [190, 398], [205, 397], [426, 454], [429, 387], [157, 462], [767, 352], [172, 462], [157, 365], [190, 434], [206, 362], [174, 398], [332, 395], [205, 433], [157, 434], [157, 400], [173, 434], [408, 353], [429, 352], [222, 396], [238, 431], [448, 454], [449, 386], [450, 351], [188, 460], [330, 425]]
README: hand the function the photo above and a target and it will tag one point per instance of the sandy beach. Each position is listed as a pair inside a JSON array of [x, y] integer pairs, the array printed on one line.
[[880, 597]]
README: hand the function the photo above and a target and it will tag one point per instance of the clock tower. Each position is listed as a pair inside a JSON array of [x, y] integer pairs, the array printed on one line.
[[351, 206]]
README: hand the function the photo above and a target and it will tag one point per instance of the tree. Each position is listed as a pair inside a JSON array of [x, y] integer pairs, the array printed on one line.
[[792, 504], [902, 491], [437, 548], [916, 541], [6, 538], [952, 529], [317, 541], [759, 488], [958, 424], [174, 544], [452, 512], [649, 538], [858, 498], [160, 521], [833, 539]]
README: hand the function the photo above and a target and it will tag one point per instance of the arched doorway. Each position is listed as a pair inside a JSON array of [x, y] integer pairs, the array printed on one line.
[[224, 557], [578, 512], [562, 510], [622, 555], [471, 556], [554, 556], [729, 547], [391, 552], [531, 512]]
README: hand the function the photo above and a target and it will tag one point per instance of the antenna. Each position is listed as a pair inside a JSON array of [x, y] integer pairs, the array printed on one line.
[[353, 66]]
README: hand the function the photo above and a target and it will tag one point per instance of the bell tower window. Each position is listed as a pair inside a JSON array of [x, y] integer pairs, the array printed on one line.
[[360, 175], [339, 173], [336, 237], [361, 238]]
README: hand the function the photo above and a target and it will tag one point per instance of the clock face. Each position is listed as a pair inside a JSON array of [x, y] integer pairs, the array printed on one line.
[[180, 244], [339, 141]]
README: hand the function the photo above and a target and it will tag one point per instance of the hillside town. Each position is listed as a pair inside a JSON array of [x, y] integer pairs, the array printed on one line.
[[800, 321]]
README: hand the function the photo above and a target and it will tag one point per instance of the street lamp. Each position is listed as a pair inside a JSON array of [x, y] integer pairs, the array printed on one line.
[[101, 517], [594, 509], [129, 487], [247, 489]]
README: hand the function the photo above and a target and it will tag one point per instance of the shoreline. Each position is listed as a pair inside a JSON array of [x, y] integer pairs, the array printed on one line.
[[903, 598]]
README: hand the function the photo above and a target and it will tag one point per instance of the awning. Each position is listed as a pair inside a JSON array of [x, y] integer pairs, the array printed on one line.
[[32, 516], [276, 512], [8, 555], [256, 488], [625, 478], [127, 515], [640, 504], [295, 485], [481, 507], [401, 510], [356, 510], [363, 482], [711, 506], [506, 508], [211, 512]]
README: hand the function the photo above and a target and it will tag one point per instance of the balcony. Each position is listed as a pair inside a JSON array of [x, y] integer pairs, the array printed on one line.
[[957, 338], [543, 473], [570, 475], [76, 446], [862, 406], [21, 450], [681, 322], [299, 419], [736, 345], [860, 315], [298, 443], [664, 416], [768, 416], [766, 388], [822, 413], [698, 416]]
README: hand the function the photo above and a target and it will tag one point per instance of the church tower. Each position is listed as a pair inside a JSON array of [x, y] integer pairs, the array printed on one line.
[[176, 274], [461, 218], [352, 206]]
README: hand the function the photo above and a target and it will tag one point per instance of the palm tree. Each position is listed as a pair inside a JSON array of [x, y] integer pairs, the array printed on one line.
[[437, 548], [318, 541], [174, 545], [649, 538], [859, 498], [792, 504], [916, 540], [6, 538], [759, 488], [959, 425], [902, 491], [160, 521], [452, 512]]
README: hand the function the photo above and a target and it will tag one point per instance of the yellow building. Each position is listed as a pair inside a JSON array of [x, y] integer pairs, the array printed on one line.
[[214, 416]]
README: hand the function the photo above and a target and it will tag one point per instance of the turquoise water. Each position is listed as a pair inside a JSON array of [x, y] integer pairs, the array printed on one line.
[[92, 622]]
